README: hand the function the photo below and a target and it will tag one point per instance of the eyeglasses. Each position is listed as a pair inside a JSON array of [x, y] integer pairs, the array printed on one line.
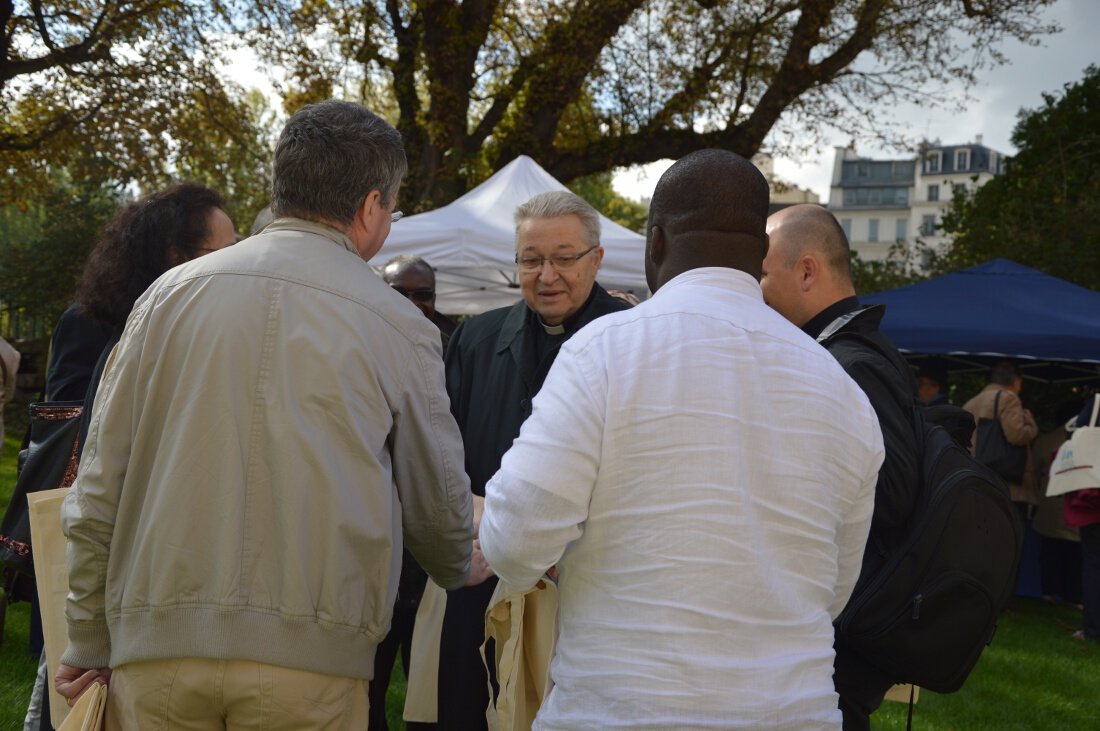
[[396, 216], [560, 262], [420, 295]]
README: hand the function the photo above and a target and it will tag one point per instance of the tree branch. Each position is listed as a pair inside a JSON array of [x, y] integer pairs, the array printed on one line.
[[59, 123], [796, 74], [642, 147], [576, 44], [95, 46]]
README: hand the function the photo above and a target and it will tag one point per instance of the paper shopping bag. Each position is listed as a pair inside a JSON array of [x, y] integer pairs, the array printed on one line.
[[52, 574]]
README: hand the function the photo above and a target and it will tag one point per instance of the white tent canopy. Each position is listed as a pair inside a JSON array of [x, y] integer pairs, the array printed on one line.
[[471, 243]]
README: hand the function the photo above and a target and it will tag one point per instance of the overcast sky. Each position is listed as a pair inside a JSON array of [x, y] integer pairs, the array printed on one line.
[[1000, 93]]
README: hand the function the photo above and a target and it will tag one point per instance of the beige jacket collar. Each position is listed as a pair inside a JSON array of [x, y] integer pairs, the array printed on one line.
[[321, 229]]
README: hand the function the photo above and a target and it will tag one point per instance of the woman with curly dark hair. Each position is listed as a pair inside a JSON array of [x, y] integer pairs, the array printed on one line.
[[144, 240]]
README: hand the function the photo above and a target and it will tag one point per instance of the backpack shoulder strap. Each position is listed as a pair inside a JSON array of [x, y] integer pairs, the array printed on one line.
[[835, 326], [831, 335]]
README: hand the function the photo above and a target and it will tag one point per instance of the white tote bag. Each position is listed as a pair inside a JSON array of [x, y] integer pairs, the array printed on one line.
[[1077, 464]]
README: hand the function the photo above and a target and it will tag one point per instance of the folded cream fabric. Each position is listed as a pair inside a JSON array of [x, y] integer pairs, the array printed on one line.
[[524, 626], [88, 713], [900, 693], [421, 698], [52, 575]]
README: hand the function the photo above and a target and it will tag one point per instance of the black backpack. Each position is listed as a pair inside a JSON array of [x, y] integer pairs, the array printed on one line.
[[931, 607]]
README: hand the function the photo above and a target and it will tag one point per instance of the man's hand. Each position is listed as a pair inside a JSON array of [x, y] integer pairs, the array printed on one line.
[[72, 682], [479, 510], [479, 567]]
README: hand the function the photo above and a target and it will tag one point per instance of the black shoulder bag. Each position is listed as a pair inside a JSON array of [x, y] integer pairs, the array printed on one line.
[[993, 449]]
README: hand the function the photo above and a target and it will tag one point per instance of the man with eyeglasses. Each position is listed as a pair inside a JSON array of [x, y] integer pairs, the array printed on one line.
[[496, 363]]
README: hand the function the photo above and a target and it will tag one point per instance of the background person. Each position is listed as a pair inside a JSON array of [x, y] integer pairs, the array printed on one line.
[[932, 384], [1002, 395], [144, 239], [414, 279], [272, 419], [1060, 545], [700, 555], [1082, 511], [261, 221]]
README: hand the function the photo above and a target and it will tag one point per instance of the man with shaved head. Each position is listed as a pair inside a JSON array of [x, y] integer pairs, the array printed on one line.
[[701, 474], [807, 279]]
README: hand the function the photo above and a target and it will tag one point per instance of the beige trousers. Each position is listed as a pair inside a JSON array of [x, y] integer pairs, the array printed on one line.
[[195, 694]]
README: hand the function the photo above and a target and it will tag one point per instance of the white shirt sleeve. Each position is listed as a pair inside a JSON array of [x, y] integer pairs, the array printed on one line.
[[851, 537], [537, 502]]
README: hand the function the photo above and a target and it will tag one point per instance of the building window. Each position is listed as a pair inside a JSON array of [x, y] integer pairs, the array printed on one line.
[[866, 196], [957, 188], [902, 171], [932, 162], [901, 230], [928, 225], [846, 224], [863, 169], [872, 230], [933, 193], [962, 160]]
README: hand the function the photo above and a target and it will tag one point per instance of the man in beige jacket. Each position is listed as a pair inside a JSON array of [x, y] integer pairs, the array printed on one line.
[[271, 427], [1016, 421]]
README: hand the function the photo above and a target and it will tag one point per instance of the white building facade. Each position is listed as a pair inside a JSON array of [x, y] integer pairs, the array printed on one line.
[[880, 203]]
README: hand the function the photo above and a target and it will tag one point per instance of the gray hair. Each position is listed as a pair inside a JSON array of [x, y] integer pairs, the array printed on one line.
[[329, 157], [1004, 373], [403, 263], [263, 220], [561, 203]]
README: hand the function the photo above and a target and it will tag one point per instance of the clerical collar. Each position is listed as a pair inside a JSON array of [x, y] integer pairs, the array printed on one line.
[[558, 329], [570, 325]]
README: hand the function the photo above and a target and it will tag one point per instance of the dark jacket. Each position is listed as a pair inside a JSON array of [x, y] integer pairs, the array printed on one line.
[[491, 382], [892, 391], [892, 394], [77, 343]]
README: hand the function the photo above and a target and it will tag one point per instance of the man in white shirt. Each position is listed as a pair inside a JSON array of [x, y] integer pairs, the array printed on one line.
[[702, 474]]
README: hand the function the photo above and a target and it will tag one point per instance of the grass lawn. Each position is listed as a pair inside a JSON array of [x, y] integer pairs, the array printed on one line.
[[1033, 676]]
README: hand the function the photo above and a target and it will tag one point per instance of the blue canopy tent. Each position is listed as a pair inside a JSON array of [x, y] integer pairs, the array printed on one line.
[[970, 319], [1000, 309]]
